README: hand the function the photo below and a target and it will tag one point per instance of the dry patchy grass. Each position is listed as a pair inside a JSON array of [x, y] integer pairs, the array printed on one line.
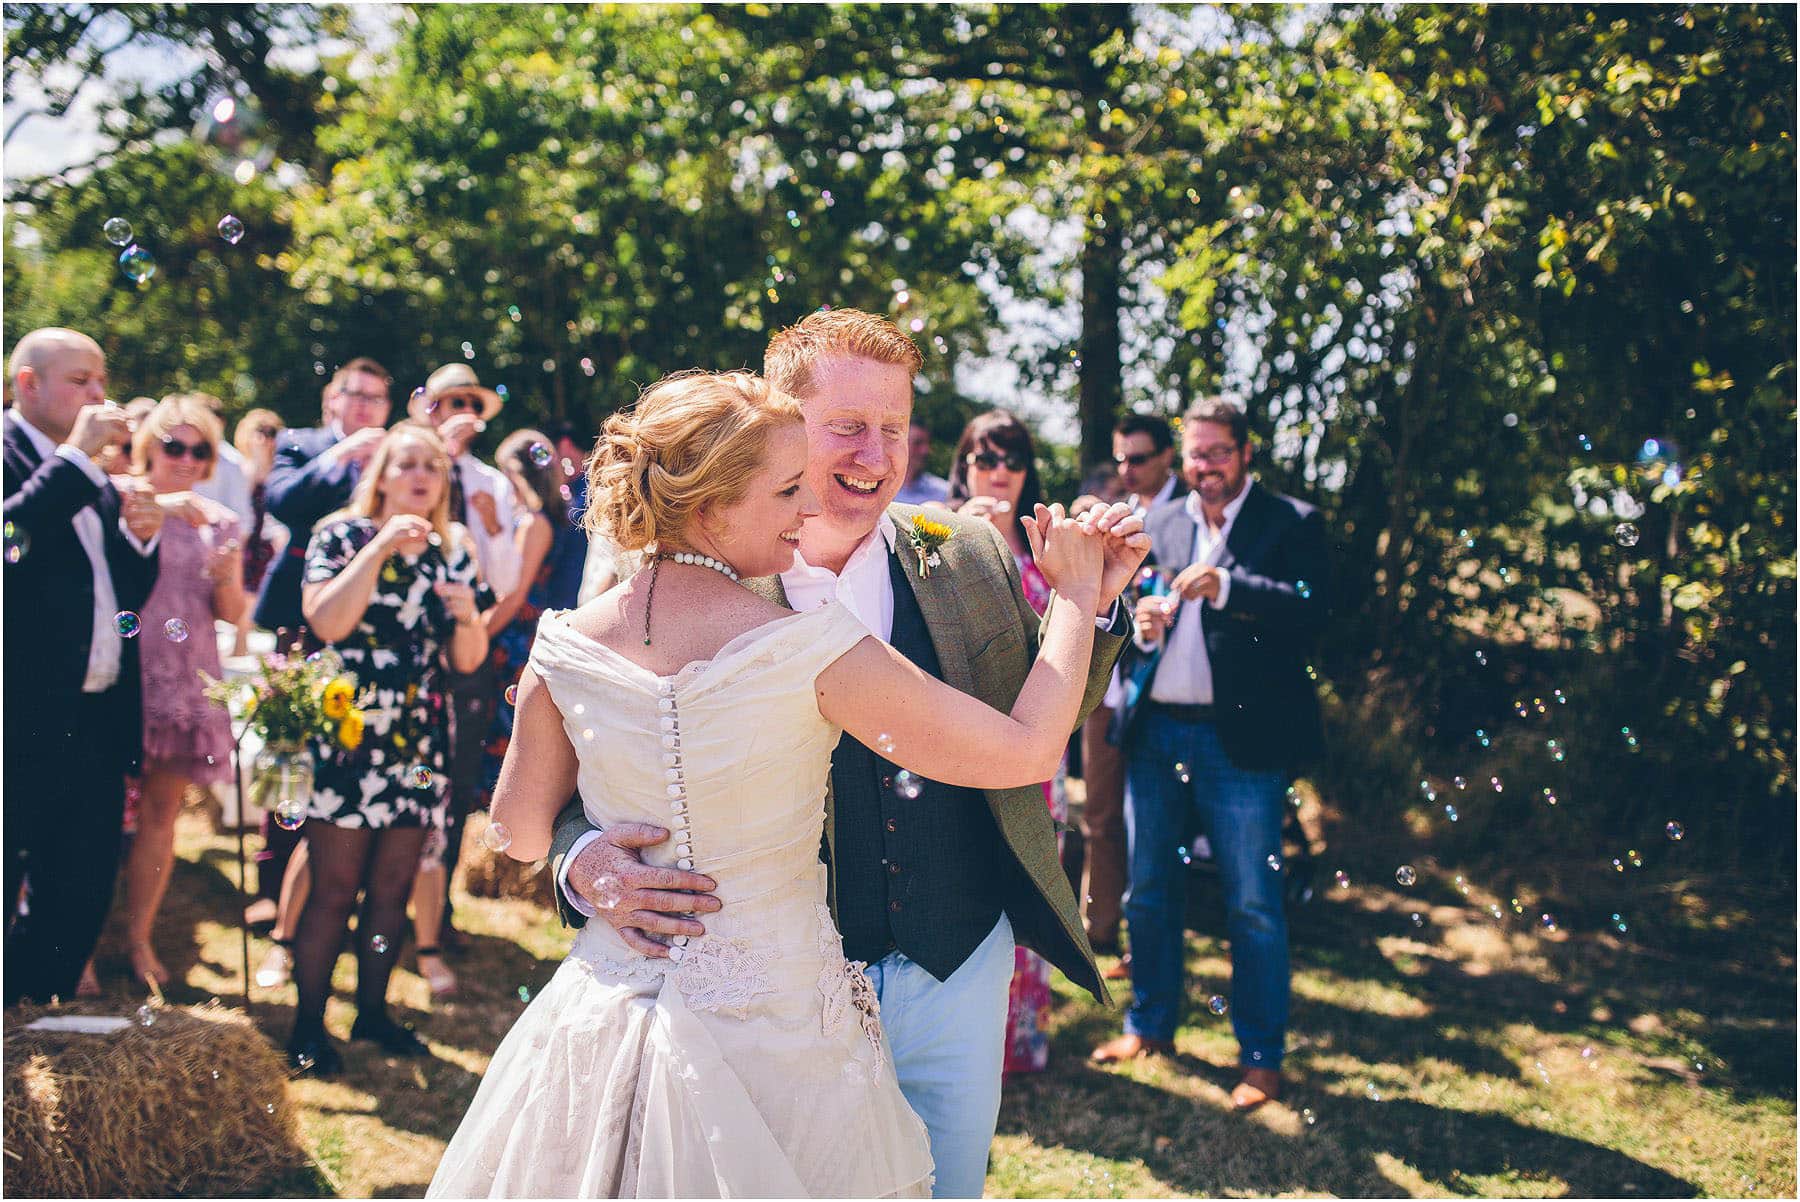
[[1466, 1057]]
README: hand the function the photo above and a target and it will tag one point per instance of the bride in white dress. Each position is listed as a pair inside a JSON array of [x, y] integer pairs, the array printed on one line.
[[751, 1061]]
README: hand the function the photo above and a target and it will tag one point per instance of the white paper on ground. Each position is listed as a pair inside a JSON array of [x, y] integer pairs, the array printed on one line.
[[81, 1024]]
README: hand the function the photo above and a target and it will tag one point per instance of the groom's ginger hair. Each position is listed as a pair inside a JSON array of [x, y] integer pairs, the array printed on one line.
[[792, 354]]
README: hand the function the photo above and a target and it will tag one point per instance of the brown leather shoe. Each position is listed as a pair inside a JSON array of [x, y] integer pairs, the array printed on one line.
[[1130, 1047], [1118, 972], [1258, 1086]]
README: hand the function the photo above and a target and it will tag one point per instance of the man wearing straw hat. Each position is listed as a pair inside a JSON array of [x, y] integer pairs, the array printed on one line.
[[459, 406]]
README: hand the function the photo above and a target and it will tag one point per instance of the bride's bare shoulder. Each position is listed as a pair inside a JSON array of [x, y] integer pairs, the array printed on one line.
[[598, 618]]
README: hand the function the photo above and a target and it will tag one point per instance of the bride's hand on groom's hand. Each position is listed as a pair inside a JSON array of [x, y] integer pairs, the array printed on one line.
[[1069, 553], [636, 899]]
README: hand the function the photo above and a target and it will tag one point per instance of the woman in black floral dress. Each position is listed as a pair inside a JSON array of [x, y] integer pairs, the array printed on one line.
[[391, 586]]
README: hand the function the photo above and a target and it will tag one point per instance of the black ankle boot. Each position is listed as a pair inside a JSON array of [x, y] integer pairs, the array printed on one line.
[[314, 1055], [390, 1036]]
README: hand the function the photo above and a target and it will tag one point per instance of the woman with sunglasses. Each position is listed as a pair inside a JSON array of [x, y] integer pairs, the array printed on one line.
[[994, 476], [187, 739]]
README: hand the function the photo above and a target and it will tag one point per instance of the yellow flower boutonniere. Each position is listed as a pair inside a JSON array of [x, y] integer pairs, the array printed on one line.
[[350, 730], [926, 537]]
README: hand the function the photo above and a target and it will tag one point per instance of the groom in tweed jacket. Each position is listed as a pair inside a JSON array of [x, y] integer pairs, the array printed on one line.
[[931, 889]]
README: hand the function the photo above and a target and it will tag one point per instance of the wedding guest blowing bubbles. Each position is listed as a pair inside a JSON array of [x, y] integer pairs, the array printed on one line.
[[187, 739], [391, 584], [458, 406], [81, 550]]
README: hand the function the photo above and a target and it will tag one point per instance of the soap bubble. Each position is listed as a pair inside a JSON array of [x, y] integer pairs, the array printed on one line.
[[18, 543], [884, 743], [1217, 1004], [512, 695], [117, 231], [146, 1017], [1418, 919], [1619, 924], [1547, 921], [232, 130], [137, 263], [541, 454], [1308, 1117], [1451, 814], [1460, 782], [1371, 1093], [231, 229], [378, 944], [175, 630], [290, 813], [1303, 588], [514, 312], [1406, 875], [1481, 736], [1481, 658], [1182, 774], [1342, 878], [1675, 831], [1274, 862], [907, 785], [496, 837], [420, 776], [1625, 534], [524, 993], [127, 623]]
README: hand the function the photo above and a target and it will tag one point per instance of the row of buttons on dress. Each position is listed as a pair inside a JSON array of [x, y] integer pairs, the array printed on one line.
[[677, 787]]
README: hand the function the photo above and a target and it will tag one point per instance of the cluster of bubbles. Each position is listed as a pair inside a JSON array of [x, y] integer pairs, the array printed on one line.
[[908, 785]]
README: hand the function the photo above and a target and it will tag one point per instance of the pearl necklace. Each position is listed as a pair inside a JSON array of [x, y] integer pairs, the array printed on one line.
[[704, 561], [688, 557]]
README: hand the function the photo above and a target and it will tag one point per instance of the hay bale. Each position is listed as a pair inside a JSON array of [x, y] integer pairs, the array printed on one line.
[[482, 872], [197, 1101]]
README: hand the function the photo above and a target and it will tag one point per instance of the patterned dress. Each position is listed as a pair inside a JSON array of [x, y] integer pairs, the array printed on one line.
[[1028, 1000], [396, 776], [184, 733]]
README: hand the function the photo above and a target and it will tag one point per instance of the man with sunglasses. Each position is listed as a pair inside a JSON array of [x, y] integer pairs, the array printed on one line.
[[459, 407], [1226, 696], [1144, 453]]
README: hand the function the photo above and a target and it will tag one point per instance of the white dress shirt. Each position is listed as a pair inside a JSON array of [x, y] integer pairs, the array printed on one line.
[[229, 485], [1184, 677], [107, 647], [497, 554], [864, 586], [1115, 688]]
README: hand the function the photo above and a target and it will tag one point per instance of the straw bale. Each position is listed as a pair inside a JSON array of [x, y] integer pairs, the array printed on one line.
[[195, 1102], [482, 872]]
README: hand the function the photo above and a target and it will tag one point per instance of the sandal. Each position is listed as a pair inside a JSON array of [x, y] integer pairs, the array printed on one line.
[[438, 977], [277, 967]]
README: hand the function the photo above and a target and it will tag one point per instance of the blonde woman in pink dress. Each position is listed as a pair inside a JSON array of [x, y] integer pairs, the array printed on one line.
[[187, 739]]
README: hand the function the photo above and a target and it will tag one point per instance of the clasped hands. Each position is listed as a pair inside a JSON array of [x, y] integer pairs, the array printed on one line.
[[1064, 549]]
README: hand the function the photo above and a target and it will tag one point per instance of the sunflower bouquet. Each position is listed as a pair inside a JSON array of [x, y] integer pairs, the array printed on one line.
[[292, 700]]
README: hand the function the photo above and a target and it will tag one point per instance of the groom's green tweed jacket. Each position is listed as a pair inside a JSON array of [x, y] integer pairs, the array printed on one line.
[[985, 634]]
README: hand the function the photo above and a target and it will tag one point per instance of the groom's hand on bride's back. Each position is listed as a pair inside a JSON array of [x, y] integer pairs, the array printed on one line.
[[640, 900]]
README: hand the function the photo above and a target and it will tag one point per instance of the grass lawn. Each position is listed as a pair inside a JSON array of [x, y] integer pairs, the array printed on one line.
[[1460, 1055]]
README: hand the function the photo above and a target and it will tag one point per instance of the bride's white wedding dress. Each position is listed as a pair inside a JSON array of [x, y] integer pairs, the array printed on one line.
[[751, 1063]]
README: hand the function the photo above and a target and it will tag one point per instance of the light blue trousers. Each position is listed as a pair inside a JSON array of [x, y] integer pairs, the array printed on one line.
[[948, 1040]]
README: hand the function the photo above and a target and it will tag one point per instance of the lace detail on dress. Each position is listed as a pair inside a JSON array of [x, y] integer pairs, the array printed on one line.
[[843, 987], [631, 969], [723, 975]]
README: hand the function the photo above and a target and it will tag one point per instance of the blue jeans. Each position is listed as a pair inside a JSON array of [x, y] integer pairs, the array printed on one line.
[[1241, 815], [948, 1039]]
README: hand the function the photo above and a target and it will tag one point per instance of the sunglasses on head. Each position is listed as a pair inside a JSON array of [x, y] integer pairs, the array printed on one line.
[[174, 448], [987, 461]]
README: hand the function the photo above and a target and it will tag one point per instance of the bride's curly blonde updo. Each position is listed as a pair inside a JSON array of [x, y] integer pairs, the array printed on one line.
[[693, 439]]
